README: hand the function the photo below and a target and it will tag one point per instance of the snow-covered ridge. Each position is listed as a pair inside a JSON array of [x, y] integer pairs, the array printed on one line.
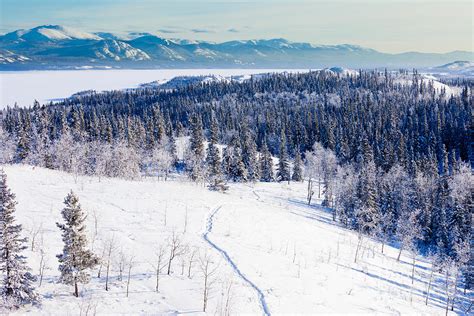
[[456, 65], [51, 32], [454, 69], [182, 81]]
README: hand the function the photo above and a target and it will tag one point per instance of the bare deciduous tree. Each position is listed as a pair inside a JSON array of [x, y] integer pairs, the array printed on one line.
[[43, 264], [101, 260], [208, 269], [34, 232], [176, 249], [130, 265], [192, 255], [95, 232], [121, 263], [87, 307], [159, 265], [185, 220], [227, 297], [109, 249]]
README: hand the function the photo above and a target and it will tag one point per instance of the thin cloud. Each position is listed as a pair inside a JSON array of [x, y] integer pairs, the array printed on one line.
[[202, 31], [168, 31], [232, 30]]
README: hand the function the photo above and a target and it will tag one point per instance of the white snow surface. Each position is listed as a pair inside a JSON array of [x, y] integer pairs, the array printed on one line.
[[56, 32], [23, 87], [283, 256]]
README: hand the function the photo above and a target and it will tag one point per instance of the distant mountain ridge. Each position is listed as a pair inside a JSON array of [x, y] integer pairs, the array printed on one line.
[[59, 47]]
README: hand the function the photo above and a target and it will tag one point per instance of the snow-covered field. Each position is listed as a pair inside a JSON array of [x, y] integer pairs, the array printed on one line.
[[282, 256], [23, 87]]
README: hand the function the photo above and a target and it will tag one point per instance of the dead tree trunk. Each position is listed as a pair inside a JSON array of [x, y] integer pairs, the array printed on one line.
[[310, 191], [76, 290], [359, 244], [130, 265], [400, 253]]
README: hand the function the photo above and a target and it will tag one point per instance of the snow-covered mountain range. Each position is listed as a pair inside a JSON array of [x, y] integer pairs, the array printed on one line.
[[59, 47]]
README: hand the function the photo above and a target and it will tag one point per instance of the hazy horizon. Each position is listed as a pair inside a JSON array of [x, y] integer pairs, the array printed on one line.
[[422, 25]]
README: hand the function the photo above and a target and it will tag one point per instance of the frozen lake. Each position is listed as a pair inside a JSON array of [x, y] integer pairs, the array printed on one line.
[[23, 87]]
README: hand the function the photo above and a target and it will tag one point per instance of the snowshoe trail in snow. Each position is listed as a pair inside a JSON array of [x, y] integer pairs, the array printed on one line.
[[261, 296]]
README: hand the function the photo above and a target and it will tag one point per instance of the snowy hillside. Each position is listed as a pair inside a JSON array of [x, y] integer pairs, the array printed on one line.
[[407, 80], [457, 65], [273, 253], [454, 69]]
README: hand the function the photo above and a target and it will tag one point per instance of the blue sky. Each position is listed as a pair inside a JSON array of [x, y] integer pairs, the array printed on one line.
[[385, 25]]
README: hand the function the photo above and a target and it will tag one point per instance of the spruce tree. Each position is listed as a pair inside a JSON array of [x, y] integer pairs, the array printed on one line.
[[172, 149], [197, 138], [297, 168], [439, 221], [76, 259], [197, 154], [366, 208], [266, 164], [239, 172], [23, 145], [226, 164], [283, 173], [16, 288], [213, 158], [250, 154], [233, 162]]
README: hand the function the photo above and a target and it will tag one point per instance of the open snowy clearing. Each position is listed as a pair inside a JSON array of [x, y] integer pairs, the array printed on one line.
[[23, 87], [282, 256]]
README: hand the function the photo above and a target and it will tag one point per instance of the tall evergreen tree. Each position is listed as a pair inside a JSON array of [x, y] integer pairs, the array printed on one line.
[[283, 172], [266, 164], [440, 229], [213, 155], [366, 207], [197, 154], [297, 168], [23, 145], [172, 149], [250, 154], [236, 170], [197, 138], [76, 259], [16, 287]]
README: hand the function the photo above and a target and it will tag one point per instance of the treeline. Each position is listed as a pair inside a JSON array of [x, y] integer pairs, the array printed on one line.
[[410, 124]]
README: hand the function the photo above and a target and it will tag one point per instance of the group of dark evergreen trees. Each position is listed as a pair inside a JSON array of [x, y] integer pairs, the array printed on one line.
[[396, 150]]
